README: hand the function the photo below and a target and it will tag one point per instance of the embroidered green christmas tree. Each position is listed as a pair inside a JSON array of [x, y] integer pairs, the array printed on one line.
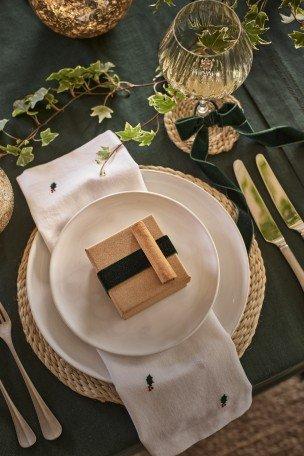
[[150, 382], [224, 400]]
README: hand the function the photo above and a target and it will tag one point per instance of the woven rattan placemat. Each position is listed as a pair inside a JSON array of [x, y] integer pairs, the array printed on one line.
[[97, 389]]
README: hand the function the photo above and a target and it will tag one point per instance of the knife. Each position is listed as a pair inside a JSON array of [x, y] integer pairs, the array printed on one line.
[[279, 197], [266, 224]]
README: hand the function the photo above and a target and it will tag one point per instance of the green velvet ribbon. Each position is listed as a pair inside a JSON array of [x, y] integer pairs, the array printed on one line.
[[232, 115]]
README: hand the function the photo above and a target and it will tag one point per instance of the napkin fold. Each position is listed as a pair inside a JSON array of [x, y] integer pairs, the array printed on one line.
[[57, 190], [177, 397]]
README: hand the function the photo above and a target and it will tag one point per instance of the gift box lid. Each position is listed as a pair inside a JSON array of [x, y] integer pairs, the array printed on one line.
[[144, 288]]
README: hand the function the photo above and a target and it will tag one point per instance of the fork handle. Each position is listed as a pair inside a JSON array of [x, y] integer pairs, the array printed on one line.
[[50, 426], [25, 434], [293, 263]]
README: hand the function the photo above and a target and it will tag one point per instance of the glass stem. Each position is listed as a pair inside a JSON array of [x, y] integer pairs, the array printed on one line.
[[203, 108]]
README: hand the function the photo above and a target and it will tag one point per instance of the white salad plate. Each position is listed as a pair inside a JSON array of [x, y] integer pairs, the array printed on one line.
[[85, 306], [228, 306]]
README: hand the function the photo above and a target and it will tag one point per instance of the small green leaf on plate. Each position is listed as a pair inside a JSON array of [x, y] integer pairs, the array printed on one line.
[[103, 154]]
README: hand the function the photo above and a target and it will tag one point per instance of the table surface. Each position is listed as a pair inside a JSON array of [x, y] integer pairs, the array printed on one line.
[[272, 95]]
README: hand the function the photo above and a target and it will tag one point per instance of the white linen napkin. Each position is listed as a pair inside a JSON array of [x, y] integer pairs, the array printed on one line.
[[177, 397], [58, 189], [197, 388]]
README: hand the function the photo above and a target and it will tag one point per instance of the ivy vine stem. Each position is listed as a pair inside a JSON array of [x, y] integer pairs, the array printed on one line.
[[155, 117], [76, 96], [99, 80], [49, 119]]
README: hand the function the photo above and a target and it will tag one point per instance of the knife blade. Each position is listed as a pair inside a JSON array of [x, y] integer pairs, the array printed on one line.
[[278, 195], [264, 220], [258, 208]]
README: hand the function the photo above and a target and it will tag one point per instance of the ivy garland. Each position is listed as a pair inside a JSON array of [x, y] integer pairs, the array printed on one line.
[[100, 80], [71, 84]]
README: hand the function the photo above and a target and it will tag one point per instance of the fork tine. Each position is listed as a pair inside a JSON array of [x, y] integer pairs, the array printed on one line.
[[3, 313]]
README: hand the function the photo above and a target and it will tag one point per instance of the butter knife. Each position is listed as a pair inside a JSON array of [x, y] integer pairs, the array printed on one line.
[[265, 222], [281, 201]]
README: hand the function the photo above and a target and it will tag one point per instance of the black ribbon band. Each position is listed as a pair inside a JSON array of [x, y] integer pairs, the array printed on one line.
[[132, 264], [231, 114]]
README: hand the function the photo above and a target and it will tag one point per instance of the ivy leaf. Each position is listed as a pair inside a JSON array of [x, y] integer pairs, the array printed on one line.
[[254, 33], [162, 102], [37, 96], [146, 138], [3, 122], [129, 132], [13, 150], [51, 100], [105, 67], [102, 112], [64, 86], [176, 94], [29, 102], [71, 78], [297, 37], [137, 134], [26, 156], [257, 15], [293, 4], [287, 19], [102, 155], [67, 78], [47, 136], [98, 68], [59, 75], [215, 39], [254, 24], [159, 3], [20, 107]]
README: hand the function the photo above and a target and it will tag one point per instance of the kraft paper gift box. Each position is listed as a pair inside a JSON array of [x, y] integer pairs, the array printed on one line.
[[138, 266]]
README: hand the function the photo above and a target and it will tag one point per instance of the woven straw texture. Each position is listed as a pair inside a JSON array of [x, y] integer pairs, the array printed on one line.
[[6, 200], [220, 139], [104, 392]]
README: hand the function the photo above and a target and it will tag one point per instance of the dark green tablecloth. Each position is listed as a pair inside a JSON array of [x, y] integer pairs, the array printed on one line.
[[273, 94]]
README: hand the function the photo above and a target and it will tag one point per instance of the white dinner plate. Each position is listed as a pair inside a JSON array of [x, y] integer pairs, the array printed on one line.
[[86, 307], [229, 304]]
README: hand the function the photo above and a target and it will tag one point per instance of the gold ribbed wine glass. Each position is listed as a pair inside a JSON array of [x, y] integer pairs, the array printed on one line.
[[202, 72]]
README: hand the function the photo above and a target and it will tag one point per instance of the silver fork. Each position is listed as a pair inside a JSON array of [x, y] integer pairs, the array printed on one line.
[[50, 426], [25, 434]]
